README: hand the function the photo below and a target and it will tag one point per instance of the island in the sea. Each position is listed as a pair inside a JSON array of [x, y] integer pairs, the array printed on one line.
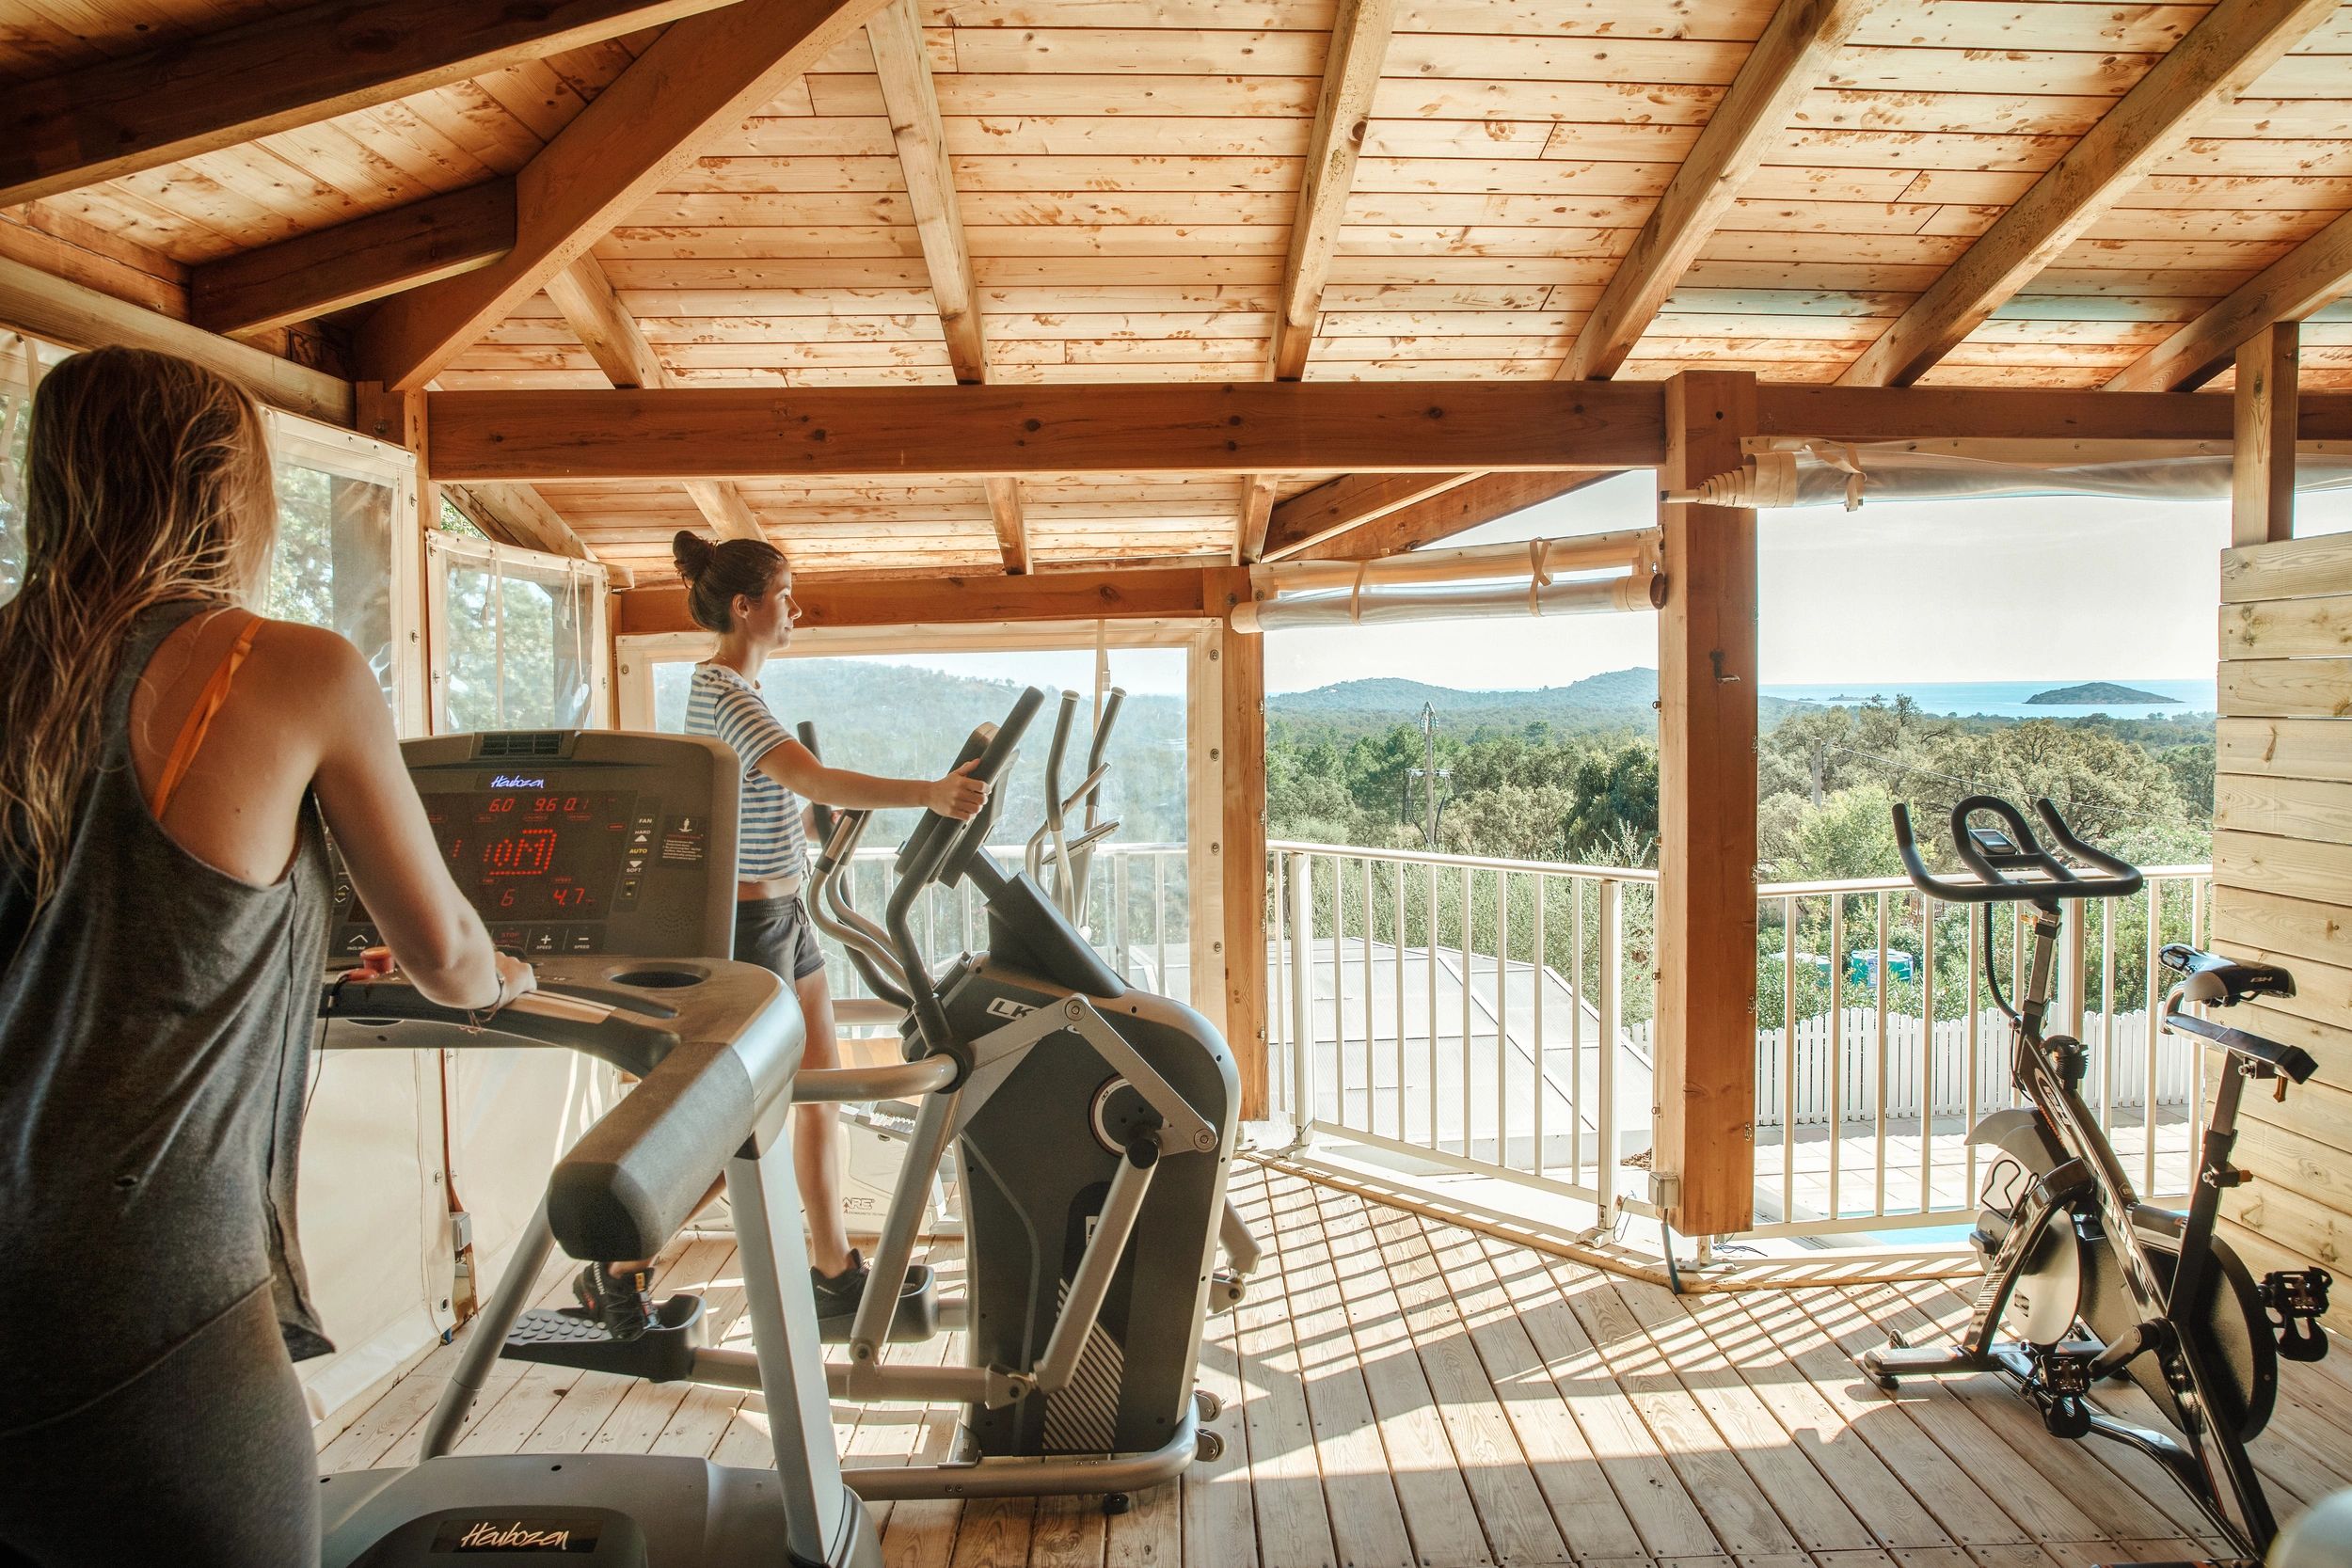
[[2099, 692]]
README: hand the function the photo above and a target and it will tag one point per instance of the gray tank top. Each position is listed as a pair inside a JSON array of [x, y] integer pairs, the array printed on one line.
[[155, 1023]]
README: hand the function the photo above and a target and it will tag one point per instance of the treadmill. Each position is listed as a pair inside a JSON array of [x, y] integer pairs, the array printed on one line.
[[607, 858]]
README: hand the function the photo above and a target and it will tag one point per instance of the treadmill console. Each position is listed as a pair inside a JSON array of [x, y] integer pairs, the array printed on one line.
[[576, 842]]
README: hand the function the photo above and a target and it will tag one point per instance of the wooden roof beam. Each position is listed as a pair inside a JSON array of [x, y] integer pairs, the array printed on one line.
[[277, 72], [1257, 515], [1480, 499], [904, 598], [1347, 502], [1013, 430], [2234, 44], [701, 78], [904, 70], [587, 301], [330, 269], [1791, 58], [2313, 272], [1351, 74], [518, 514]]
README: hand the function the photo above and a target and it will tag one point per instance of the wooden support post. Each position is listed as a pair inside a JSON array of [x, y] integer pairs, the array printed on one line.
[[2262, 464], [1240, 761], [1707, 724]]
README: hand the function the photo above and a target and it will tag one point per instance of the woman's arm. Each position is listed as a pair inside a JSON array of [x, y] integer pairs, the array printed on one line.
[[792, 765], [371, 807]]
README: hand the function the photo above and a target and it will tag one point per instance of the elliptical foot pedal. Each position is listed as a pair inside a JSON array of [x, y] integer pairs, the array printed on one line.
[[572, 1337], [917, 1318]]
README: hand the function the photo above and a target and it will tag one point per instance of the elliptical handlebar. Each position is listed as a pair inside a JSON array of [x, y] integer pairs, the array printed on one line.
[[934, 839], [1993, 854]]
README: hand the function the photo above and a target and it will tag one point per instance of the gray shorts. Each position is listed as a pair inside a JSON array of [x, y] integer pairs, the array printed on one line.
[[775, 934]]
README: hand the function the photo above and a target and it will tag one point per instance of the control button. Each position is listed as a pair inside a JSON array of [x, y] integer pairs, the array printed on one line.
[[634, 866], [342, 896], [641, 838], [510, 939], [585, 939], [628, 890], [546, 941], [357, 939]]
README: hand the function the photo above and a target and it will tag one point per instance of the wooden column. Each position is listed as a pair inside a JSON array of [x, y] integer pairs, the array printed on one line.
[[2262, 497], [1240, 764], [1707, 724]]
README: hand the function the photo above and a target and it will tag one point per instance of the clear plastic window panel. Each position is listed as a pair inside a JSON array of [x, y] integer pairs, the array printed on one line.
[[518, 641], [333, 566]]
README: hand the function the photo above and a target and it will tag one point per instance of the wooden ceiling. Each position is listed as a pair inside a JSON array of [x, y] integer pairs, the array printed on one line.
[[1946, 192]]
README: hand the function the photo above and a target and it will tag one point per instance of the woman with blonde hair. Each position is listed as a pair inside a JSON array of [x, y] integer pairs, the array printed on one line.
[[166, 760]]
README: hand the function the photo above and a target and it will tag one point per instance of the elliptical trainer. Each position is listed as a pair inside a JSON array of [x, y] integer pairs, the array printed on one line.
[[2093, 1282]]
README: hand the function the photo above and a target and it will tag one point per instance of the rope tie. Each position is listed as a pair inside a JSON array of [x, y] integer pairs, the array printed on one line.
[[1356, 595], [1539, 573]]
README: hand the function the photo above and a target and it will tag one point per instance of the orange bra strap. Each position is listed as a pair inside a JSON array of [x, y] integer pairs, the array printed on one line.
[[200, 719]]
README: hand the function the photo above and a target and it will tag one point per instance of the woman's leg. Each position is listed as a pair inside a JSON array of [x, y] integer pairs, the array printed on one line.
[[203, 1460], [816, 1136]]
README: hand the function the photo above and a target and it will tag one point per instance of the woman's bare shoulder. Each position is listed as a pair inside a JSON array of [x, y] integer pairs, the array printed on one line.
[[309, 667]]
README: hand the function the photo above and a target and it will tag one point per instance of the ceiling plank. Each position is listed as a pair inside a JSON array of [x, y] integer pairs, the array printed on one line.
[[1351, 74], [1349, 501], [1257, 513], [904, 72], [589, 303], [701, 78], [2310, 276], [2235, 42], [1791, 58], [1012, 530], [1124, 428], [330, 269], [1481, 498], [902, 69], [277, 73]]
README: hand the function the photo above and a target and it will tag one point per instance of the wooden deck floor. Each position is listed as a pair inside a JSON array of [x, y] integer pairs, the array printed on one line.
[[1401, 1393]]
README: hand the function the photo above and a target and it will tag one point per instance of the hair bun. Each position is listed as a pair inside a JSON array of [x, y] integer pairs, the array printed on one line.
[[692, 553]]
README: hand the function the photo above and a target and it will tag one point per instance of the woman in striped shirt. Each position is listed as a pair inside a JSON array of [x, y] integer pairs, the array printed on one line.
[[741, 589]]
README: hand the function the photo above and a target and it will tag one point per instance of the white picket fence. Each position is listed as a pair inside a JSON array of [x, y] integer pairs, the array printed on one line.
[[2116, 1079]]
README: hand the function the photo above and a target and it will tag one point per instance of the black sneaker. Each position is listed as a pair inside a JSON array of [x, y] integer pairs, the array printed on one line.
[[837, 1296], [621, 1304]]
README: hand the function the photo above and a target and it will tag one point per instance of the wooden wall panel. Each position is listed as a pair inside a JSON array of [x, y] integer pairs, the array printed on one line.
[[2282, 885]]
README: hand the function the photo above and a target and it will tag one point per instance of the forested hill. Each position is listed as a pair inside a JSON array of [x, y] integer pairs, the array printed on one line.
[[1617, 700]]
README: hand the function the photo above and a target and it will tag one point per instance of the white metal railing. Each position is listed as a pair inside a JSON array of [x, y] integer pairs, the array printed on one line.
[[1139, 915], [1469, 1011], [1495, 1017]]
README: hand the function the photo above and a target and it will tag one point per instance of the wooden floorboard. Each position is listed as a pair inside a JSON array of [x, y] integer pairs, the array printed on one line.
[[1401, 1392]]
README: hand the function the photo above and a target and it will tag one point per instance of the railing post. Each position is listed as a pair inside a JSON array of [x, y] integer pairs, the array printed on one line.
[[1611, 940], [1300, 870]]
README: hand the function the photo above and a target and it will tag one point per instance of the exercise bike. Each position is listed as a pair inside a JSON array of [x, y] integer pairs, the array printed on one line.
[[2089, 1281]]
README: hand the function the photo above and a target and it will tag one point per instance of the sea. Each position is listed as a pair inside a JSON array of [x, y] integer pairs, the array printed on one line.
[[2006, 699]]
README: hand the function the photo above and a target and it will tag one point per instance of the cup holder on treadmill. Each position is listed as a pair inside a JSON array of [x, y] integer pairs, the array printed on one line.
[[657, 978]]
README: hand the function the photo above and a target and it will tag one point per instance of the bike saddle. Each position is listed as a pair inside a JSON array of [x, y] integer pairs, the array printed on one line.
[[2214, 978]]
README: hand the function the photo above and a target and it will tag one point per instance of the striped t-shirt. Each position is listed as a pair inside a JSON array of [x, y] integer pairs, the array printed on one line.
[[768, 843]]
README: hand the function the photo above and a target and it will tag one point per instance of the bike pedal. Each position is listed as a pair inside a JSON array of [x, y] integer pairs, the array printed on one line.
[[2297, 1299]]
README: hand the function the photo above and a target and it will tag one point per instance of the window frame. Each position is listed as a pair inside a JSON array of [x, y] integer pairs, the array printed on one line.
[[441, 547]]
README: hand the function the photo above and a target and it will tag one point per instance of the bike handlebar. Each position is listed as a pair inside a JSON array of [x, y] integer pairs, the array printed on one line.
[[1992, 854]]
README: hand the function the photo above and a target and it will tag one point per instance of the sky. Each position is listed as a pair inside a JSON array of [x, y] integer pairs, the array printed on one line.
[[2068, 588]]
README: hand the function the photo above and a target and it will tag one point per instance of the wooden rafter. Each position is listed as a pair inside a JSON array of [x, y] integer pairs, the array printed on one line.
[[2290, 287], [1351, 74], [698, 80], [1257, 513], [1790, 60], [899, 599], [903, 72], [518, 514], [277, 73], [1481, 498], [329, 269], [2235, 42], [1347, 502], [1246, 427], [585, 299]]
